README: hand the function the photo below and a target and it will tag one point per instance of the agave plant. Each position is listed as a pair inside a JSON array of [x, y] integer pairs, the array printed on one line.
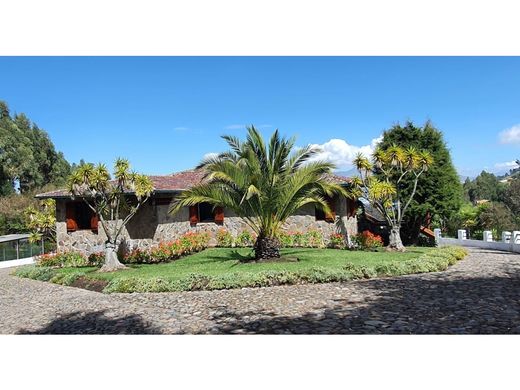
[[383, 190], [108, 199], [264, 184]]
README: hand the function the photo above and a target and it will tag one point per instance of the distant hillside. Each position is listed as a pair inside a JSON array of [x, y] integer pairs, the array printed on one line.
[[515, 172], [349, 173]]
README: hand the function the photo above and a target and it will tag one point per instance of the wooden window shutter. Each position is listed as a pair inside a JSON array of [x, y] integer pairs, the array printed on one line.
[[194, 214], [70, 215], [94, 222], [330, 217], [219, 215]]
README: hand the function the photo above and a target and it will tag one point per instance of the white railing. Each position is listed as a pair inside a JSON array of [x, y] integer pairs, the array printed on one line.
[[510, 240], [17, 262]]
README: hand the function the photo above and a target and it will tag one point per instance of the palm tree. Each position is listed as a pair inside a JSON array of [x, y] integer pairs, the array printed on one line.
[[263, 184], [384, 190]]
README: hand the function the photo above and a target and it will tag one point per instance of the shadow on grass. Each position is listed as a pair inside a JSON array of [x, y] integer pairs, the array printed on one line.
[[95, 323], [233, 255], [406, 305]]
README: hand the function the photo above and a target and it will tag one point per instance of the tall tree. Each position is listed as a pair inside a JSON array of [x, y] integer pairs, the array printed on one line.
[[27, 156], [496, 216], [384, 183], [264, 184], [512, 198], [439, 191], [109, 200], [485, 186]]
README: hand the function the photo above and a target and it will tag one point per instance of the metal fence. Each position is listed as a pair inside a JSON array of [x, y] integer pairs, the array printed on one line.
[[17, 246]]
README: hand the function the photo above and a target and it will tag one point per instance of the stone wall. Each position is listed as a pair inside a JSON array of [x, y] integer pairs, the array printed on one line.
[[153, 224]]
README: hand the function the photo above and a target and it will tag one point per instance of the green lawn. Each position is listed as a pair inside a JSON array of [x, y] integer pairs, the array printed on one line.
[[224, 268], [222, 261]]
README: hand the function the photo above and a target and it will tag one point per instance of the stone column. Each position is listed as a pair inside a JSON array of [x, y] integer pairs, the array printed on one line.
[[488, 236], [461, 234], [506, 237], [437, 234], [515, 237]]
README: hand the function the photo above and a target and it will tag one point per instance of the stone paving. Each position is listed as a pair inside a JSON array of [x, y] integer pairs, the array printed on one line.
[[480, 294]]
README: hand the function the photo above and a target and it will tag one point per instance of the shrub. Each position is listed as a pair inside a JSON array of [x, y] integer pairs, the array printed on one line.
[[62, 259], [314, 239], [310, 239], [245, 239], [129, 285], [426, 241], [48, 260], [167, 251], [66, 279], [37, 273], [367, 240], [136, 256], [224, 239], [96, 259], [336, 241], [286, 239], [299, 239]]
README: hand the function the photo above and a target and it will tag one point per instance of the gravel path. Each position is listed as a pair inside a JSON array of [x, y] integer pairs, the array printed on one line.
[[480, 294]]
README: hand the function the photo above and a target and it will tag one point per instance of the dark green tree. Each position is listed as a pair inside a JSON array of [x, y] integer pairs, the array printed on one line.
[[512, 198], [28, 157], [495, 216], [485, 186], [439, 191]]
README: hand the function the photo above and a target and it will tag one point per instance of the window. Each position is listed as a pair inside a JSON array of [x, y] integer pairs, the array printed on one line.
[[79, 216], [163, 201], [328, 217], [203, 212], [206, 212], [320, 214]]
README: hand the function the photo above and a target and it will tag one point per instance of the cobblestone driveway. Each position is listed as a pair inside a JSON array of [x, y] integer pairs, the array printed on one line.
[[480, 294]]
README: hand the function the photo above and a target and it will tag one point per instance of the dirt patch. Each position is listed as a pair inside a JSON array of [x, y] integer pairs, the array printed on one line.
[[90, 284]]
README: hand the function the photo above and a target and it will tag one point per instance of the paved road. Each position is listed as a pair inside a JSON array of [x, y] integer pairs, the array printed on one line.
[[480, 294]]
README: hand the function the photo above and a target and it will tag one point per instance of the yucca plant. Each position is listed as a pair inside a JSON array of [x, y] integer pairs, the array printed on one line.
[[108, 199], [383, 190], [41, 220], [264, 184]]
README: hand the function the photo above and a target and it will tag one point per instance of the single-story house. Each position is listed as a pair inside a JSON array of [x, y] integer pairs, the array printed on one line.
[[78, 229]]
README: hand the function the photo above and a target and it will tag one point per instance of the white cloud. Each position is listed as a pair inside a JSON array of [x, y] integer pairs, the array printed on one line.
[[511, 135], [181, 128], [506, 165], [240, 127], [209, 155], [235, 127], [341, 153]]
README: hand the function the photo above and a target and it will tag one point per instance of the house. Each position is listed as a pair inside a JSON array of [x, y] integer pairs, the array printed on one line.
[[78, 228]]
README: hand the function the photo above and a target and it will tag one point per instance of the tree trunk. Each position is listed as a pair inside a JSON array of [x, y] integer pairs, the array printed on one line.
[[395, 240], [111, 261], [267, 248]]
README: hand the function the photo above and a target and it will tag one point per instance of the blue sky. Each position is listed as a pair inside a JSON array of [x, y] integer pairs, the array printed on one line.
[[165, 113]]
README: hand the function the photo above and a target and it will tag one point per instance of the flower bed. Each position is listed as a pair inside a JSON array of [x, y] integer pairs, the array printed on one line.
[[165, 251], [65, 259]]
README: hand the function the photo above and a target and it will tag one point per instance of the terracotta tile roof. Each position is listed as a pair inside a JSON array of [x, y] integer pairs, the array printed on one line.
[[178, 181], [338, 179], [175, 182]]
